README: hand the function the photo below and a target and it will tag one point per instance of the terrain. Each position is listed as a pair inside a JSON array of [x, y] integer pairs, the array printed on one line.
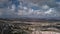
[[29, 27]]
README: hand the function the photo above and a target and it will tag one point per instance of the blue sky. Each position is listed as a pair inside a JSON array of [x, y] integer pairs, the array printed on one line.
[[32, 9]]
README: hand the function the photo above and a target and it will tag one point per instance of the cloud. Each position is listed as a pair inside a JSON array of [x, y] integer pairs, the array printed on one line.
[[33, 8], [49, 11], [45, 7]]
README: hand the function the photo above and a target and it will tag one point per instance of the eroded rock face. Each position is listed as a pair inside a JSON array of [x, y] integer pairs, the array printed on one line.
[[44, 32], [29, 28]]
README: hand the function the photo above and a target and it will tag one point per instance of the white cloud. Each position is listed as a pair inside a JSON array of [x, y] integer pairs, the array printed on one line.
[[45, 10], [25, 8], [49, 11], [45, 7], [13, 7]]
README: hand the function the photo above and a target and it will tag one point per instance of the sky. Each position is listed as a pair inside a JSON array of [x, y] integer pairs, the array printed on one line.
[[30, 8]]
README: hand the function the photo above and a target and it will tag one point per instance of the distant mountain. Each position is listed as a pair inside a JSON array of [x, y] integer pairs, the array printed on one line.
[[30, 19]]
